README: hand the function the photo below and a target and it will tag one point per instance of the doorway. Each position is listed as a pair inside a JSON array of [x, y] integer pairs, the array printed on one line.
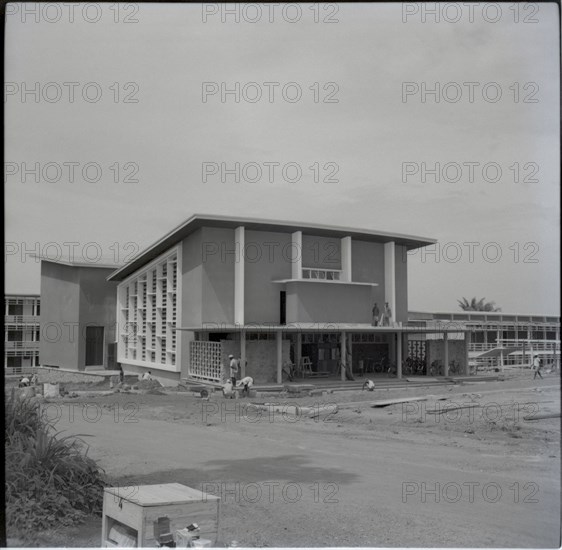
[[94, 346]]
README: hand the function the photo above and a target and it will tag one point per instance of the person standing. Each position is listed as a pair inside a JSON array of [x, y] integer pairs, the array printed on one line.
[[537, 365], [233, 364], [387, 314], [376, 315]]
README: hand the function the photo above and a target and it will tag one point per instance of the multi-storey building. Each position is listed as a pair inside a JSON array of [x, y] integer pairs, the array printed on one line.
[[496, 340], [21, 332], [269, 292]]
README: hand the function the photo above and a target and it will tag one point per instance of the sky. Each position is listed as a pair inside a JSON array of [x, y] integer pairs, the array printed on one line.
[[120, 124]]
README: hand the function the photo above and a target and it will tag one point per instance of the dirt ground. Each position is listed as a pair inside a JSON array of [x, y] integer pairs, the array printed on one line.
[[420, 473]]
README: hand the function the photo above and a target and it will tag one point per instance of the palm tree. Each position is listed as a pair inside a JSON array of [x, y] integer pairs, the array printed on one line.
[[477, 305]]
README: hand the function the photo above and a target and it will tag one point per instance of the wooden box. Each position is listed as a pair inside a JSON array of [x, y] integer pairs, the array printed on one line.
[[139, 507]]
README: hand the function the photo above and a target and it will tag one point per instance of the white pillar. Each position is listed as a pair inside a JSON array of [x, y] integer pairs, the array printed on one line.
[[239, 244], [446, 354], [242, 354], [343, 354], [346, 259], [279, 340], [390, 278], [296, 255]]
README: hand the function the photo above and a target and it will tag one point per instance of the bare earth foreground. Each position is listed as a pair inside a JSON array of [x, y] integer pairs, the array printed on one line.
[[401, 475]]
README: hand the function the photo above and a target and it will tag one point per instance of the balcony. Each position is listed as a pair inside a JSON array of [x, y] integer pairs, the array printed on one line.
[[21, 319], [22, 345], [321, 274]]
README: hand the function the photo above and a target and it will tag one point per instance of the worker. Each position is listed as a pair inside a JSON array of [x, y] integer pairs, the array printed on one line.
[[247, 382], [228, 390], [369, 384]]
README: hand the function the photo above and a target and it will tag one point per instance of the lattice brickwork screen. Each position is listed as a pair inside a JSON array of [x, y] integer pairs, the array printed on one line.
[[205, 360], [148, 314]]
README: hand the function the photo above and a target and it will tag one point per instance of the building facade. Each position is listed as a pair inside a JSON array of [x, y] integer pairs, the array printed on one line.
[[268, 292], [497, 340], [78, 321], [21, 332]]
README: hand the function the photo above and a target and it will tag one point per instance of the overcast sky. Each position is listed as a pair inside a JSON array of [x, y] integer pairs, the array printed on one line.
[[361, 116]]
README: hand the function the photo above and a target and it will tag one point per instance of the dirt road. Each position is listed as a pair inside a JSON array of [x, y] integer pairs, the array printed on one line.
[[360, 477]]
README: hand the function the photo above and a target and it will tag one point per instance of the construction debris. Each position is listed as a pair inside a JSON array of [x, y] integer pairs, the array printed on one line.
[[387, 402], [541, 416]]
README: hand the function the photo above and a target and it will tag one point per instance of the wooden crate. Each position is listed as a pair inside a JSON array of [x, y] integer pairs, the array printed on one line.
[[138, 507]]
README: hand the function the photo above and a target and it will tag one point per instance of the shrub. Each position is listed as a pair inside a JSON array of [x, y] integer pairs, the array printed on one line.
[[50, 480]]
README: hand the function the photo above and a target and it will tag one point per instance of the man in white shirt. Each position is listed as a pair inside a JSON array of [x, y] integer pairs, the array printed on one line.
[[233, 369], [369, 384], [228, 390], [537, 365], [247, 382]]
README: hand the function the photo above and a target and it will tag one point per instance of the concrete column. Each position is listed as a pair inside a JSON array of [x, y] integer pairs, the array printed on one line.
[[446, 354], [296, 255], [279, 339], [242, 353], [343, 354], [239, 244], [346, 259], [399, 343], [390, 278]]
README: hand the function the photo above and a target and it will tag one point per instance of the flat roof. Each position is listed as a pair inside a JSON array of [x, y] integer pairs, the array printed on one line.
[[411, 314], [315, 327], [103, 263], [201, 220]]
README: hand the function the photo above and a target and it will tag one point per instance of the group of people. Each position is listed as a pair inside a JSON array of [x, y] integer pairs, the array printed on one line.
[[245, 383], [382, 319]]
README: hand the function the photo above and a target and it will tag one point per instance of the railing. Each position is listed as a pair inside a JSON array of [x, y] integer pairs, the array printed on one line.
[[321, 274], [21, 319], [22, 345], [481, 346], [537, 345], [19, 370]]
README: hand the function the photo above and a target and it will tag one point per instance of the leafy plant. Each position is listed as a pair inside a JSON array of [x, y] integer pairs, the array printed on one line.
[[477, 305], [50, 480]]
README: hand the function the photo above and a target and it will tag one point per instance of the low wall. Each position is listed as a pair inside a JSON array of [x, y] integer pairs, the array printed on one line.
[[165, 378], [58, 376]]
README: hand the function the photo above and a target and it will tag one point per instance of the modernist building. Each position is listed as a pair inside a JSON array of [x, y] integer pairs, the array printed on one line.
[[78, 325], [269, 292], [21, 332], [496, 340]]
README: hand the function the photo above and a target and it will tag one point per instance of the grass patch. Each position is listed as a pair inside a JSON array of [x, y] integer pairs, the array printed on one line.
[[50, 480]]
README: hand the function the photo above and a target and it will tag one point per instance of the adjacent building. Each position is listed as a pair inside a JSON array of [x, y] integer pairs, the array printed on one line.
[[78, 320], [497, 340], [21, 332]]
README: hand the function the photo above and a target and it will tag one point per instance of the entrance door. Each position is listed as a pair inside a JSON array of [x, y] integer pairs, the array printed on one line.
[[94, 346]]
